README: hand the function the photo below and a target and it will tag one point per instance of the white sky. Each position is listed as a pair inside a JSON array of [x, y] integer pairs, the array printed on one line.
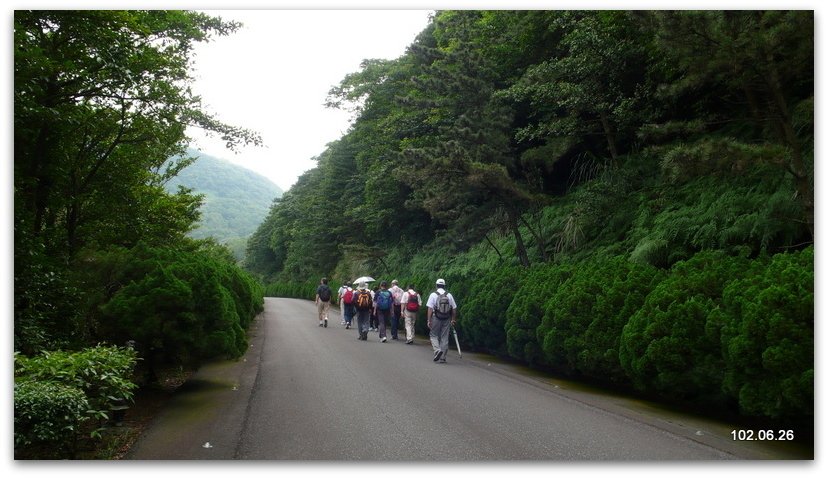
[[273, 75]]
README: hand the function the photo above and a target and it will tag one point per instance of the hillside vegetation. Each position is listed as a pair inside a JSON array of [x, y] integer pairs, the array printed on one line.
[[624, 197], [109, 291], [235, 200]]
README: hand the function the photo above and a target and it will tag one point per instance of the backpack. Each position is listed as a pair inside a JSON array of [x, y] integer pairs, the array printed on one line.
[[348, 297], [442, 308], [363, 300], [384, 300], [413, 304], [324, 293]]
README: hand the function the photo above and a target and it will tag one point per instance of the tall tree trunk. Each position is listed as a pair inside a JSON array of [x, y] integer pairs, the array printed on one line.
[[539, 241], [797, 168], [610, 134], [520, 247]]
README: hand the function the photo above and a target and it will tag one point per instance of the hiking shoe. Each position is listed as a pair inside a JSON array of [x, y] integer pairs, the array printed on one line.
[[326, 322], [437, 355], [320, 324], [442, 360], [384, 339], [347, 326], [409, 341]]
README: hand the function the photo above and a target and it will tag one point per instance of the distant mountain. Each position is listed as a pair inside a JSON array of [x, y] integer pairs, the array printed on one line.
[[236, 199]]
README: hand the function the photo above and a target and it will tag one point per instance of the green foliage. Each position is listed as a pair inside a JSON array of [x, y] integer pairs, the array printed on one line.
[[482, 314], [583, 319], [525, 312], [768, 337], [102, 373], [179, 306], [671, 345], [48, 415]]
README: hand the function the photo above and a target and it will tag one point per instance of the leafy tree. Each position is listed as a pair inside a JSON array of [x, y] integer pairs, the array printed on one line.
[[759, 60], [101, 101]]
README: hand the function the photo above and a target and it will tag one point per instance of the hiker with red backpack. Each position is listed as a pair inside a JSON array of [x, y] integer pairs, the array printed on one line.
[[339, 294], [346, 302], [410, 303]]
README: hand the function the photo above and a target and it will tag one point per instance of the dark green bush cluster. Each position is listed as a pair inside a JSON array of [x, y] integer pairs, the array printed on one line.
[[482, 314], [178, 306], [524, 315], [57, 392], [671, 344], [768, 338], [583, 318]]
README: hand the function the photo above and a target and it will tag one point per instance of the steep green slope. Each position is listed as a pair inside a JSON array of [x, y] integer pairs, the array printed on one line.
[[236, 199]]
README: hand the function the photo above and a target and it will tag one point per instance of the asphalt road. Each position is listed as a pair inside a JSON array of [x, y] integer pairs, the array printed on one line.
[[308, 393]]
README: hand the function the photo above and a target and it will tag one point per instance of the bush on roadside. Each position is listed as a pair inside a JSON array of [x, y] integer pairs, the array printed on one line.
[[671, 345], [768, 338], [525, 312], [47, 416]]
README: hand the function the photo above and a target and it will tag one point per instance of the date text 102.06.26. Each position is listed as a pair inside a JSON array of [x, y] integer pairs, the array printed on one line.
[[762, 435]]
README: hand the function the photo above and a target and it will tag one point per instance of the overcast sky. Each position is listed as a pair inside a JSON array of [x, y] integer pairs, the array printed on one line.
[[273, 75]]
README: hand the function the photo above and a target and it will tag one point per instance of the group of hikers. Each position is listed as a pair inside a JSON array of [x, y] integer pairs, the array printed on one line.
[[377, 308]]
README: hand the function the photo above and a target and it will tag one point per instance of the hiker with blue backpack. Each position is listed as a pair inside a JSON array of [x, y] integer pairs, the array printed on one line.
[[442, 316], [383, 308]]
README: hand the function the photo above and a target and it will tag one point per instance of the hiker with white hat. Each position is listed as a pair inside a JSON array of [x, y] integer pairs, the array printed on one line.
[[442, 316]]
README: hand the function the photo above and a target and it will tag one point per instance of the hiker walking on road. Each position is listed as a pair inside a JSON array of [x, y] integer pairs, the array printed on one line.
[[396, 293], [323, 301], [346, 303], [383, 308], [363, 305], [411, 303], [373, 325], [339, 295], [442, 315]]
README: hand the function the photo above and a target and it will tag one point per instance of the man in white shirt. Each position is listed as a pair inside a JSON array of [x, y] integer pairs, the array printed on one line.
[[442, 315], [339, 294]]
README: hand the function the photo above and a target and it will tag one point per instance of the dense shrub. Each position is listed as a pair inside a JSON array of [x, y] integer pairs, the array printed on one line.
[[102, 373], [482, 317], [671, 345], [48, 415], [527, 308], [178, 306], [584, 317], [768, 338]]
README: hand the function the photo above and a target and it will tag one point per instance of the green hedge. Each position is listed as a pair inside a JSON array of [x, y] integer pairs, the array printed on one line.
[[526, 311], [768, 338], [581, 328], [178, 306]]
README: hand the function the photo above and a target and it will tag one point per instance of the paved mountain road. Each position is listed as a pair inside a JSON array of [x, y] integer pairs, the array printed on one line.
[[310, 393]]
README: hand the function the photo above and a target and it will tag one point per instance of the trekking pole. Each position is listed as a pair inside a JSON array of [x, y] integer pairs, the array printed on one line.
[[456, 341]]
